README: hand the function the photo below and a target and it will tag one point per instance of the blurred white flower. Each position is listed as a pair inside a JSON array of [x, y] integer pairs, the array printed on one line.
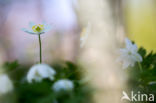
[[129, 55], [84, 35], [63, 84], [152, 83], [37, 28], [5, 84], [39, 72]]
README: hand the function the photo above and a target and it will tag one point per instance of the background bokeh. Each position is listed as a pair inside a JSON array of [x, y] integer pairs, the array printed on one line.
[[140, 22]]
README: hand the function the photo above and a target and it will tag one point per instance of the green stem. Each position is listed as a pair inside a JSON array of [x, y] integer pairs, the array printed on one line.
[[40, 44], [140, 67]]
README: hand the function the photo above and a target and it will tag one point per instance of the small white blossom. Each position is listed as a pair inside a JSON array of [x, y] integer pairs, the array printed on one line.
[[129, 55], [37, 28], [84, 35], [5, 84], [39, 72], [63, 84]]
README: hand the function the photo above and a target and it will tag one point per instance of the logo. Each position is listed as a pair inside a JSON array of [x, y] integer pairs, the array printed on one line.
[[137, 96]]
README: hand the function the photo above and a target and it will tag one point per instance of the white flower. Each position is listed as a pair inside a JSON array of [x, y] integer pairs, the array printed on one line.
[[39, 72], [84, 35], [63, 84], [37, 28], [129, 55], [5, 84]]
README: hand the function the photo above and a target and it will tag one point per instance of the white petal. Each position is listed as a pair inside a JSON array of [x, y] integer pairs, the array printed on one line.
[[46, 71], [128, 43], [130, 46], [123, 51], [43, 70], [47, 28], [125, 65], [139, 57], [134, 48], [63, 84], [85, 35], [5, 84], [28, 31], [31, 75], [31, 24]]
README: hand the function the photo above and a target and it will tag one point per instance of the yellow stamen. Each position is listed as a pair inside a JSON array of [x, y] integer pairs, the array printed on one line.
[[38, 28], [83, 33]]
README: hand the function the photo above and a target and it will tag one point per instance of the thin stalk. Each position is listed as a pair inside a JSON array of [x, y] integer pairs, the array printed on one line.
[[140, 67], [40, 49]]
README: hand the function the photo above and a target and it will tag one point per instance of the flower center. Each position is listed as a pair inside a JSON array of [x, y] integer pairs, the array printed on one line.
[[37, 74], [38, 28]]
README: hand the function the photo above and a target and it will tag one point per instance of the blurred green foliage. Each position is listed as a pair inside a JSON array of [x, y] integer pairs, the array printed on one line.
[[42, 92], [143, 80]]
